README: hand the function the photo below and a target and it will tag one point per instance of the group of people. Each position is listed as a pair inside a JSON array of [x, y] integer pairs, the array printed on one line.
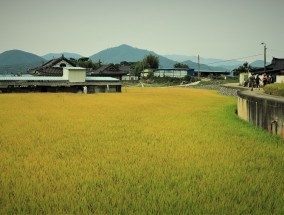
[[254, 81]]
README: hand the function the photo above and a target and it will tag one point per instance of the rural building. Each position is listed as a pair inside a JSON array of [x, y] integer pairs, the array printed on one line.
[[206, 73], [146, 72], [53, 67], [59, 75], [110, 70], [173, 72], [275, 70], [181, 72], [243, 76], [130, 77]]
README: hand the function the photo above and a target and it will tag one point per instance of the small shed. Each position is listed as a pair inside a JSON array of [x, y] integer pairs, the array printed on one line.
[[243, 76], [75, 74]]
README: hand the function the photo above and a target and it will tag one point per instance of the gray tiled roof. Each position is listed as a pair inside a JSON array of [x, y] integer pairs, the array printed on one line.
[[55, 61], [277, 65], [47, 68], [110, 70], [47, 71]]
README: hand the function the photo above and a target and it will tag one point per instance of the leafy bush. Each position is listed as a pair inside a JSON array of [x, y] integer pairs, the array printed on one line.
[[274, 89]]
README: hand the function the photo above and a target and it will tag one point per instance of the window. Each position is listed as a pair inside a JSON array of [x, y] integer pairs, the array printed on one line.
[[62, 65]]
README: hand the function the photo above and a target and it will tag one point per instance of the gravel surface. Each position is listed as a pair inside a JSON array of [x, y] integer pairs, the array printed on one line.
[[221, 90]]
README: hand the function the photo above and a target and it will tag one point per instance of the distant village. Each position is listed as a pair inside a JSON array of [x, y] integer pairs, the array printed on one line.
[[70, 75]]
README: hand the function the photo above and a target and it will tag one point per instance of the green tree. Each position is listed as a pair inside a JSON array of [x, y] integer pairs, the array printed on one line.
[[138, 68], [243, 68], [151, 62], [86, 63], [181, 65]]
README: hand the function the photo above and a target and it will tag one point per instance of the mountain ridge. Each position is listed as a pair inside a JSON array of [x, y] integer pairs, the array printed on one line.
[[22, 61], [50, 56], [204, 60], [128, 53], [215, 62], [18, 61]]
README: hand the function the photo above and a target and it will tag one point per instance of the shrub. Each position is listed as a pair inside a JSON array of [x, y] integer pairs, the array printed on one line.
[[274, 89], [188, 78]]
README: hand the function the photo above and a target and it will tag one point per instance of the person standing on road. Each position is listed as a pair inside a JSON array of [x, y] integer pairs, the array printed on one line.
[[264, 79], [257, 80], [252, 80]]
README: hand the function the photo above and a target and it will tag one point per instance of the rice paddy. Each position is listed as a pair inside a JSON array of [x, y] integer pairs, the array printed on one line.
[[144, 151]]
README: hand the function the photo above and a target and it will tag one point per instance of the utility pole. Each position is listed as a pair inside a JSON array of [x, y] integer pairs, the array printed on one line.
[[264, 57], [142, 79], [198, 68]]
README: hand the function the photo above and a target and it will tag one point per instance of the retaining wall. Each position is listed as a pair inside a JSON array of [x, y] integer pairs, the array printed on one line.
[[262, 110]]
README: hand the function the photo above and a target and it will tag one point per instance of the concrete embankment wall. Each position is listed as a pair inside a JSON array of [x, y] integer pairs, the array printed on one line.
[[262, 110]]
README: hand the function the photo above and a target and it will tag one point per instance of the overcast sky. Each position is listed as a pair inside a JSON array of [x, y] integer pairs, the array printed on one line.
[[223, 29]]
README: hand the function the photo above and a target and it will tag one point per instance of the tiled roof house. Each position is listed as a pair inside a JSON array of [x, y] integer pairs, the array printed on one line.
[[53, 67]]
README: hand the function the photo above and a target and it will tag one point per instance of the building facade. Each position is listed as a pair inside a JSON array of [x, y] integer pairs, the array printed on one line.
[[59, 75], [173, 72]]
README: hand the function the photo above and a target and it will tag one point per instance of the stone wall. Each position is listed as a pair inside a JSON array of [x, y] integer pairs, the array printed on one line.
[[262, 110]]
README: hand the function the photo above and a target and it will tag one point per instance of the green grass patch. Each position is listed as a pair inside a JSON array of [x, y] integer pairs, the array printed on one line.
[[276, 89]]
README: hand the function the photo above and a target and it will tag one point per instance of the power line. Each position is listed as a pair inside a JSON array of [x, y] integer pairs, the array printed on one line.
[[236, 59], [229, 60]]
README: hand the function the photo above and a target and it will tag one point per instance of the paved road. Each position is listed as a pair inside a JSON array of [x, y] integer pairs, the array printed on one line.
[[229, 89]]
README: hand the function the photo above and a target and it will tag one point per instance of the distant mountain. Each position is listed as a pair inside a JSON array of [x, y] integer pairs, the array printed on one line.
[[259, 63], [194, 65], [130, 54], [57, 55], [178, 58], [18, 61], [215, 61]]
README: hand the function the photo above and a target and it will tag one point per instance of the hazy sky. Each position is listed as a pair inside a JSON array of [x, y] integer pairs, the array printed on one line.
[[211, 28]]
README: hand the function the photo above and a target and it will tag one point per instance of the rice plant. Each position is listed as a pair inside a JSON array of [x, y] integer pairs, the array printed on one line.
[[144, 151]]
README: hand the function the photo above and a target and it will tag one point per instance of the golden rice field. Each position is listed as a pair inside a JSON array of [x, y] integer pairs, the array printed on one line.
[[144, 151]]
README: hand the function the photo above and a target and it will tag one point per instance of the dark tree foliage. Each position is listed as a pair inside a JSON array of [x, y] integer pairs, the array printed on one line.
[[151, 62], [132, 65], [86, 63], [126, 63], [181, 65], [243, 68], [115, 65], [138, 68]]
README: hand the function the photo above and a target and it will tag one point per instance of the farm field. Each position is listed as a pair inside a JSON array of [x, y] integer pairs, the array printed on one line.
[[143, 151]]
